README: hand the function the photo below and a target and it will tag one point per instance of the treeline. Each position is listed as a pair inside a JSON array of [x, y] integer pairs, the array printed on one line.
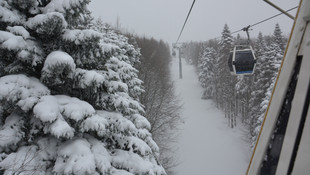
[[161, 106], [159, 100], [242, 98]]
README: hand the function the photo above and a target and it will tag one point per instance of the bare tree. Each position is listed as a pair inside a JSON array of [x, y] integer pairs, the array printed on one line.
[[161, 104]]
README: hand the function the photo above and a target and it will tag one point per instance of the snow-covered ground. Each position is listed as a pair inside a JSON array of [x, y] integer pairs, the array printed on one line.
[[207, 146]]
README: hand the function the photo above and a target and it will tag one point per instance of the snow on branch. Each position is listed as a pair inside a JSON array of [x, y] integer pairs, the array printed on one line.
[[58, 66], [50, 23], [80, 36], [10, 133], [87, 78], [22, 89], [134, 163], [62, 5], [11, 42], [57, 58], [25, 161], [117, 123], [19, 30], [57, 109], [49, 108], [95, 123], [18, 40], [75, 157], [10, 15], [140, 121]]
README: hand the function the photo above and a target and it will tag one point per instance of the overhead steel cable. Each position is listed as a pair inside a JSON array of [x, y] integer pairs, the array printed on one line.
[[267, 19], [186, 20], [273, 16], [262, 21]]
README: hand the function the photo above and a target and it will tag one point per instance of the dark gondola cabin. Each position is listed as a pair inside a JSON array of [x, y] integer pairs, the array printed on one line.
[[173, 53], [242, 60]]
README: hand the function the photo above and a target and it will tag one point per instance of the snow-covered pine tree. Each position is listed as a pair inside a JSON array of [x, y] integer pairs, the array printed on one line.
[[68, 95], [222, 73], [207, 66], [225, 82], [277, 37], [244, 85], [258, 89], [268, 71]]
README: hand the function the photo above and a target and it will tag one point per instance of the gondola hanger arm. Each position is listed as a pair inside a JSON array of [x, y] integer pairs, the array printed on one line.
[[246, 29]]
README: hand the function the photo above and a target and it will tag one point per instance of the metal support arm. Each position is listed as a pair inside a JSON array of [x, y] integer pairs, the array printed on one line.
[[278, 8]]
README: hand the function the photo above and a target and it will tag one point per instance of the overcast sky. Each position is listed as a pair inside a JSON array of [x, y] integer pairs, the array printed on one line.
[[163, 19]]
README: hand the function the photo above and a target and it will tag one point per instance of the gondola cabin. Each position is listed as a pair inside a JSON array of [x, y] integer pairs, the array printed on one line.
[[173, 53], [242, 60]]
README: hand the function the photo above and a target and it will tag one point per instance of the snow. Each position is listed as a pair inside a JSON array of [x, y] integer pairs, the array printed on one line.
[[80, 36], [149, 140], [75, 157], [50, 108], [74, 108], [57, 58], [25, 161], [55, 109], [120, 172], [143, 133], [206, 144], [47, 110], [134, 163], [95, 123], [117, 122], [135, 145], [61, 5], [140, 121], [25, 90], [108, 47], [102, 156], [9, 134], [11, 41], [11, 16], [117, 85], [19, 30], [60, 128], [48, 148], [32, 23], [89, 77]]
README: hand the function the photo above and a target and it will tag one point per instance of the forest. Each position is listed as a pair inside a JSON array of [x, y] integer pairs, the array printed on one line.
[[80, 96], [243, 98]]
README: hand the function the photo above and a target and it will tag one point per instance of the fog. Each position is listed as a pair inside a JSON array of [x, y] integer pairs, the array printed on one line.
[[164, 19]]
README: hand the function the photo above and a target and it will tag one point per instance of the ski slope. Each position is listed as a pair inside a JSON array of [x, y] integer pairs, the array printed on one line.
[[206, 145]]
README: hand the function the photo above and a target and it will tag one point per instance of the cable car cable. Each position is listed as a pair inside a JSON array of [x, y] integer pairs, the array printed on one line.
[[186, 20], [274, 16], [267, 19]]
